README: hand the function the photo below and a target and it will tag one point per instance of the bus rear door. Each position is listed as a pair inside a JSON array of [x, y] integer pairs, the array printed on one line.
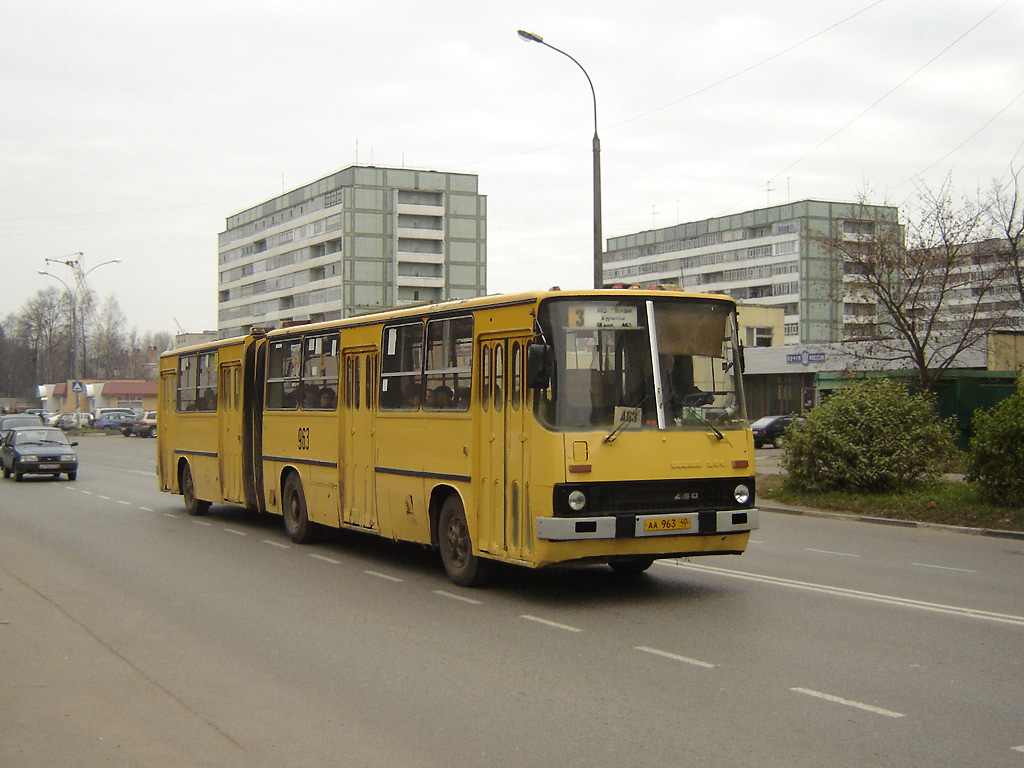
[[358, 479]]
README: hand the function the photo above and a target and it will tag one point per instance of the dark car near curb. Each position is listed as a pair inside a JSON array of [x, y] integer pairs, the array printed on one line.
[[11, 420], [144, 425], [769, 430], [38, 451]]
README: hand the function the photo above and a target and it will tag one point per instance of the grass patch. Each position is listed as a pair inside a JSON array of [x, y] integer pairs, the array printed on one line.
[[945, 502]]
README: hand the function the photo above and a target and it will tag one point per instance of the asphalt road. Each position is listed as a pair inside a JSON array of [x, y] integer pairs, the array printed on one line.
[[134, 635]]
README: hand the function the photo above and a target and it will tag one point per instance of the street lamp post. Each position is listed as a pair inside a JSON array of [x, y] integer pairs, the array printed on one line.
[[79, 274], [598, 241]]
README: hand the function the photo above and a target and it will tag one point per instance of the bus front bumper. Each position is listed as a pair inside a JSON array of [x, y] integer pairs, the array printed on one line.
[[644, 526]]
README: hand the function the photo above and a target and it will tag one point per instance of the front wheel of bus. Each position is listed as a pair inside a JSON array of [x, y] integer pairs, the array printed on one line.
[[462, 566], [296, 519], [193, 505]]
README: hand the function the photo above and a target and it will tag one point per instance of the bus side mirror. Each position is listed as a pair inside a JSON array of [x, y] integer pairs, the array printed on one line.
[[538, 366]]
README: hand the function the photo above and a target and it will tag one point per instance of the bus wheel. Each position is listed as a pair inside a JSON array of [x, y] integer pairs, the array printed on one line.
[[296, 519], [463, 567], [633, 567], [193, 505]]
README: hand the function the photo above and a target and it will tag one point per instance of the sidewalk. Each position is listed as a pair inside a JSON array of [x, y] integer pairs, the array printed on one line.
[[770, 463]]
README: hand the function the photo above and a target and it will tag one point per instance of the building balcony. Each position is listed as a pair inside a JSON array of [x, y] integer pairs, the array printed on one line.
[[417, 281], [416, 233], [415, 257], [421, 210]]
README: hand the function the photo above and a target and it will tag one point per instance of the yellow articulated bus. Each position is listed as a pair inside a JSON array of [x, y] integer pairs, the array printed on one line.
[[538, 429]]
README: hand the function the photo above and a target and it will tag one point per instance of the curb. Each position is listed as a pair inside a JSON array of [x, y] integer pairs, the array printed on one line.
[[992, 532]]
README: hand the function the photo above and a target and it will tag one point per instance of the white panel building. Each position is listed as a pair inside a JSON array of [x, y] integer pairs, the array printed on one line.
[[359, 240]]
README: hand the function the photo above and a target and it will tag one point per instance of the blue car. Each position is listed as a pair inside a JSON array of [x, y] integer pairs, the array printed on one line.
[[113, 421], [38, 451]]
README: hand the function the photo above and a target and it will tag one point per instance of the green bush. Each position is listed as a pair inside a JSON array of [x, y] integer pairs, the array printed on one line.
[[872, 436], [995, 455]]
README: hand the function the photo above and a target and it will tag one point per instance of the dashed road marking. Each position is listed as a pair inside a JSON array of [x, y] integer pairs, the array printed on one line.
[[944, 568], [848, 703], [676, 657], [830, 552], [277, 544], [460, 598], [325, 558], [549, 623], [386, 577]]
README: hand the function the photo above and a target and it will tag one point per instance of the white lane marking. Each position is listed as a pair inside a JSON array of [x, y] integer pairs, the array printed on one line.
[[676, 657], [105, 498], [277, 544], [848, 702], [170, 514], [460, 598], [326, 559], [554, 624], [147, 509], [830, 552], [125, 503], [385, 576], [1002, 618], [237, 533], [1018, 749], [201, 522], [944, 568]]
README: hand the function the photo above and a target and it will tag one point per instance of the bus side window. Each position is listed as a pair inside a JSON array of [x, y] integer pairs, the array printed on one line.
[[282, 375], [401, 375], [187, 383]]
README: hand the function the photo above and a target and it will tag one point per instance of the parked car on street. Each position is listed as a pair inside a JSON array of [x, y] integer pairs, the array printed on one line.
[[37, 450], [11, 420], [100, 413], [74, 420], [769, 430], [144, 425], [113, 421]]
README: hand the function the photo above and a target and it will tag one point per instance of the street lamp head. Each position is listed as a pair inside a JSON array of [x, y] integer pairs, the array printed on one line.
[[530, 37]]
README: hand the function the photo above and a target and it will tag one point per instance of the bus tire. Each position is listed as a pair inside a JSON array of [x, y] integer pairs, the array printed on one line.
[[633, 567], [193, 506], [462, 566], [293, 508]]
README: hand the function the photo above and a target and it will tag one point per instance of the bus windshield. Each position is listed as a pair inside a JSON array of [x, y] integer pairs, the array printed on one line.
[[667, 363]]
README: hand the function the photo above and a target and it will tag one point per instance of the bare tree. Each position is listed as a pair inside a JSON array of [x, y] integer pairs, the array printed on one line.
[[44, 326], [919, 294], [108, 340], [1005, 210]]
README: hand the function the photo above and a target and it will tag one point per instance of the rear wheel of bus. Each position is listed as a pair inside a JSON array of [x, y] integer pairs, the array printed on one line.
[[296, 518], [193, 505], [462, 566]]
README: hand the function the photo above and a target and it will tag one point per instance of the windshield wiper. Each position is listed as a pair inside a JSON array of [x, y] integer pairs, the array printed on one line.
[[623, 424], [705, 422]]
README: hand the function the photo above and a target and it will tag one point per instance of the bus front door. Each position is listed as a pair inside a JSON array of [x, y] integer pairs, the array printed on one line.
[[359, 495], [229, 411], [504, 444]]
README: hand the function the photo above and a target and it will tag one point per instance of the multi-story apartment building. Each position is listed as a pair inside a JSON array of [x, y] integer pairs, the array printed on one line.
[[361, 239], [774, 256]]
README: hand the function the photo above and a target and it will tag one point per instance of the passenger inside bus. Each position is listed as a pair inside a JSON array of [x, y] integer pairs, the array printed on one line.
[[328, 400]]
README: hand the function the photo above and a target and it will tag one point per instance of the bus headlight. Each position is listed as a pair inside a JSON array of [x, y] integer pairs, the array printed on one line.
[[741, 493], [577, 501]]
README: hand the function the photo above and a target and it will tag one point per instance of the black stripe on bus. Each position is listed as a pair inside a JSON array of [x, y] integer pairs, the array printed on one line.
[[183, 452], [419, 473], [293, 460]]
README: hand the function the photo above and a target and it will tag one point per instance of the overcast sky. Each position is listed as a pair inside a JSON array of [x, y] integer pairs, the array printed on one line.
[[132, 130]]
